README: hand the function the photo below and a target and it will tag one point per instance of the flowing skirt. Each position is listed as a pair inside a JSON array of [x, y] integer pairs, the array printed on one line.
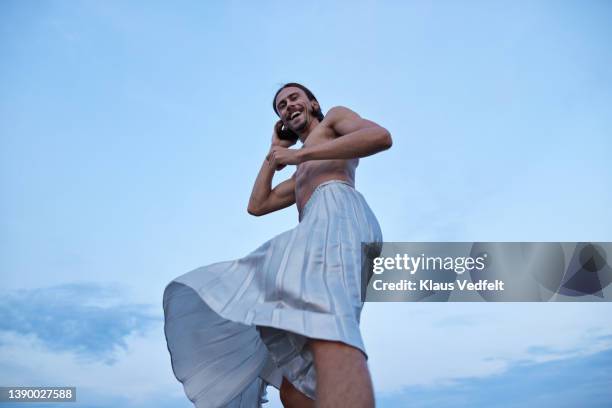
[[234, 327]]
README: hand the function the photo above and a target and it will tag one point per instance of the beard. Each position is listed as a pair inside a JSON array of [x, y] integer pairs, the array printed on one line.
[[304, 123]]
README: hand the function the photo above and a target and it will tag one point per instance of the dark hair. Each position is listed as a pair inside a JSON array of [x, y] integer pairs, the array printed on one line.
[[318, 114]]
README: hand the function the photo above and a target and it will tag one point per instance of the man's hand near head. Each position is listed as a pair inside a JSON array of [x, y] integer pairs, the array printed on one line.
[[265, 199], [278, 145], [276, 140]]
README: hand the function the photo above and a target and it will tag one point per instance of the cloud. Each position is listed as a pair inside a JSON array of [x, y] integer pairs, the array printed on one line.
[[83, 318], [568, 383], [88, 336], [140, 376], [91, 337], [115, 353], [432, 344]]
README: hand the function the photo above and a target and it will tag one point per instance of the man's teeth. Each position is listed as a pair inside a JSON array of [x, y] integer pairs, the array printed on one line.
[[294, 114]]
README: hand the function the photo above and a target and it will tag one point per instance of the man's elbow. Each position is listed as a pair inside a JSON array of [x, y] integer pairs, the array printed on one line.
[[254, 211], [385, 139]]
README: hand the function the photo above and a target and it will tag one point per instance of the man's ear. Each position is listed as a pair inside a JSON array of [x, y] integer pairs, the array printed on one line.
[[315, 106]]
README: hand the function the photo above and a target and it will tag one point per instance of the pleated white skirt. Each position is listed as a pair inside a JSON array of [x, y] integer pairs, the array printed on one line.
[[234, 327]]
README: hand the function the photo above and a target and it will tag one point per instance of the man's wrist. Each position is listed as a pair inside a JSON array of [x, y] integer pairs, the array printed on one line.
[[283, 143], [304, 154]]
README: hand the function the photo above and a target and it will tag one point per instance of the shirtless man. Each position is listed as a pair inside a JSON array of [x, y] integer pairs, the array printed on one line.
[[331, 148]]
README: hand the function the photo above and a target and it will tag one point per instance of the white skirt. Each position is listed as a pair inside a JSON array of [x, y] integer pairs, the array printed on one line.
[[234, 327]]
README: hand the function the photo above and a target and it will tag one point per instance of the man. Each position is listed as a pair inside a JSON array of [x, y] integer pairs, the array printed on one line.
[[288, 313], [330, 151]]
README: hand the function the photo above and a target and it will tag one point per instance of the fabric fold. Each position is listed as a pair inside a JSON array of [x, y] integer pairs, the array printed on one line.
[[234, 327]]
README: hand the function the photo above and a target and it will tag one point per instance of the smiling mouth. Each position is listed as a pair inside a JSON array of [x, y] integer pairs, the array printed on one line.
[[295, 115]]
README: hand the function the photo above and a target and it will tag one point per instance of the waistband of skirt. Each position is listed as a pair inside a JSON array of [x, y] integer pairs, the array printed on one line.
[[310, 200], [332, 181]]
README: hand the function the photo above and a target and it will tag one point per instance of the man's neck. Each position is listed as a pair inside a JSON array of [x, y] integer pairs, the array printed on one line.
[[303, 135]]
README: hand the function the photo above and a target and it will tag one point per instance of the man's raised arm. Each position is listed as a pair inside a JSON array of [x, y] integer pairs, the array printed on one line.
[[358, 138], [265, 199]]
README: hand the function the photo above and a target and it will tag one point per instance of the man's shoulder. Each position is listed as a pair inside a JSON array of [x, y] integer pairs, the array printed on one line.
[[337, 114]]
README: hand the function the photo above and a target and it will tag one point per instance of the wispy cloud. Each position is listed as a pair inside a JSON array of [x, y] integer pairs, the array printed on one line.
[[89, 336], [432, 344], [140, 376], [86, 319], [576, 382]]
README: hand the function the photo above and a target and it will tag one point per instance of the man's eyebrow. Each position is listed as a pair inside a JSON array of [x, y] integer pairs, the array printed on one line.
[[288, 96]]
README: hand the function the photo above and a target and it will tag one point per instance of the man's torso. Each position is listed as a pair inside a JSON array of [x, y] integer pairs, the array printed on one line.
[[314, 172]]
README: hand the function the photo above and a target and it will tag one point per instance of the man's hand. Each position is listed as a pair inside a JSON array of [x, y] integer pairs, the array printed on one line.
[[277, 141], [279, 157]]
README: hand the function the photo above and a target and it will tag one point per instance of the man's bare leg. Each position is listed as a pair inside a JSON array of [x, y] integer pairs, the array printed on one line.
[[291, 397], [343, 378]]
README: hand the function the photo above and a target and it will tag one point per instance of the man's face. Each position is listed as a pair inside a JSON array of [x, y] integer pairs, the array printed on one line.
[[294, 108]]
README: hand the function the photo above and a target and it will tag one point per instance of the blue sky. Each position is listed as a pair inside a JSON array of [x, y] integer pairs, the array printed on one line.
[[131, 134], [574, 382]]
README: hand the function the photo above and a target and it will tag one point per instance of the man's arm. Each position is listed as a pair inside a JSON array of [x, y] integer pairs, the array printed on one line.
[[358, 137], [265, 199]]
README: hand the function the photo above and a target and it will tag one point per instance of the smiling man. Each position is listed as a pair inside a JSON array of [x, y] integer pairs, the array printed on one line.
[[288, 313]]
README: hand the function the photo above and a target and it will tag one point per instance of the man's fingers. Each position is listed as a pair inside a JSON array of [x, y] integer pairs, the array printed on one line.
[[272, 160], [270, 157]]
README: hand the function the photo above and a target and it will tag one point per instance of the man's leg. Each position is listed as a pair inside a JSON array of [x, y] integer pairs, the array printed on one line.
[[291, 397], [343, 378]]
